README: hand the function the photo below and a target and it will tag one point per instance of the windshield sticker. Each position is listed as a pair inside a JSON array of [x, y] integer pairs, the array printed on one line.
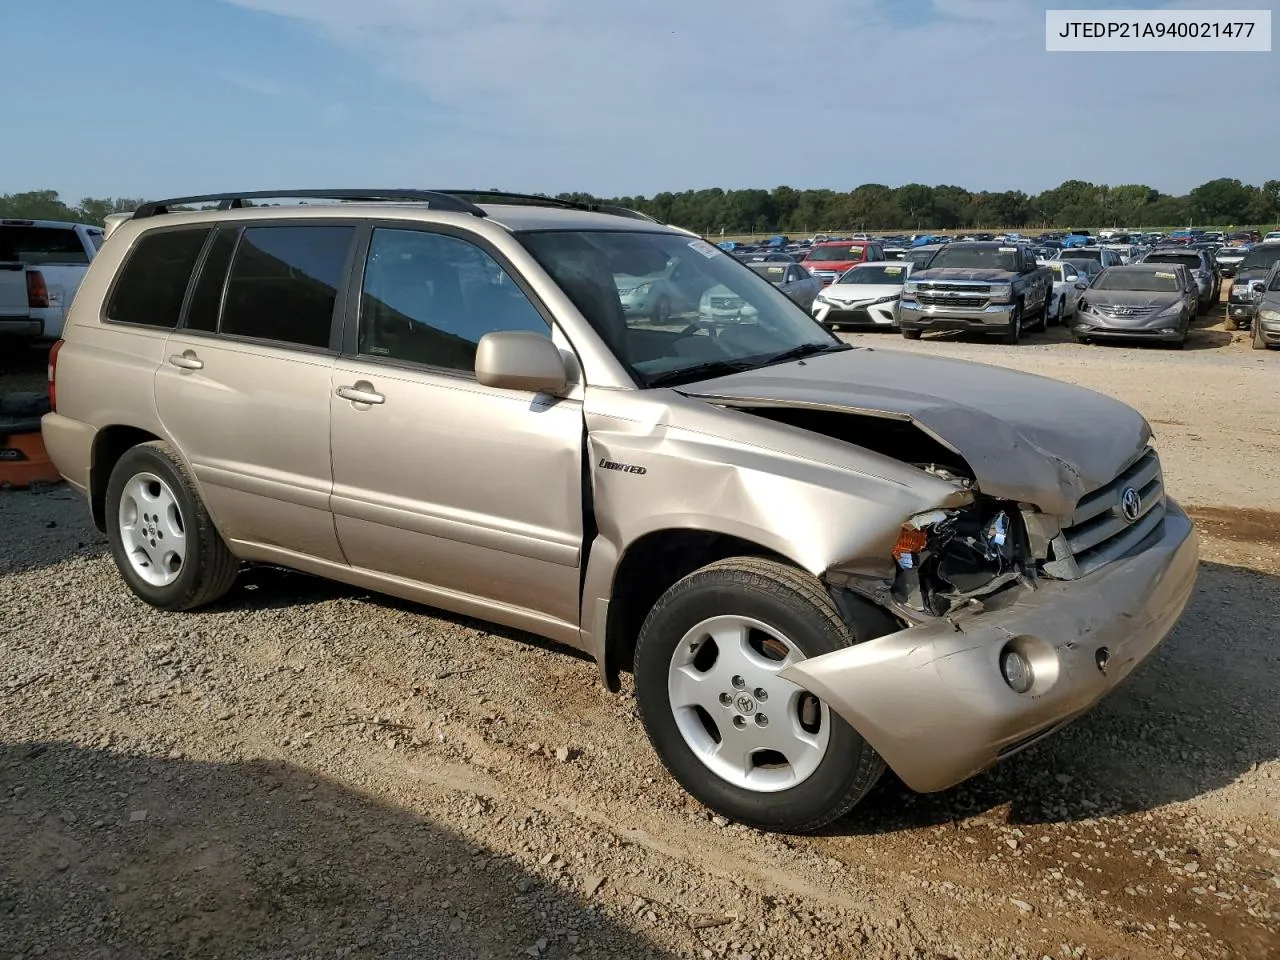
[[1008, 249], [704, 248], [893, 271], [857, 251], [1164, 276], [774, 269]]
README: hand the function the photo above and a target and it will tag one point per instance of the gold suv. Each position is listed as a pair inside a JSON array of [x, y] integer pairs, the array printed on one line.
[[816, 560]]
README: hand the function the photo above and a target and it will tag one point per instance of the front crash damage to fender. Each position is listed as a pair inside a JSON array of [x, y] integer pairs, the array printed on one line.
[[932, 699]]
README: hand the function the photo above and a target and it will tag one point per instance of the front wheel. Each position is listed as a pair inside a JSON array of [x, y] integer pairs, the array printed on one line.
[[162, 538], [741, 739], [1257, 343], [911, 334], [1014, 333]]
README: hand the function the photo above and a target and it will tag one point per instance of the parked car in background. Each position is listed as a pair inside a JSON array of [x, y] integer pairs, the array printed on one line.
[[1105, 256], [1144, 301], [828, 260], [1254, 268], [979, 287], [1200, 265], [1227, 259], [760, 257], [866, 294], [1088, 267], [1274, 235], [41, 265], [919, 257], [1266, 317], [1068, 285], [792, 279]]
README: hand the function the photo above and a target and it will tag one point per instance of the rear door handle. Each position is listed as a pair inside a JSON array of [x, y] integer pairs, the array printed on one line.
[[187, 360], [360, 392]]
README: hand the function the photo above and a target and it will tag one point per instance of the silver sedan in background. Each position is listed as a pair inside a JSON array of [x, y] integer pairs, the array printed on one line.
[[1150, 301], [792, 279]]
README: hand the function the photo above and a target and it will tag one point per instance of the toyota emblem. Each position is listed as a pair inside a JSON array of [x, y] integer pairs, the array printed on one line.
[[1131, 504]]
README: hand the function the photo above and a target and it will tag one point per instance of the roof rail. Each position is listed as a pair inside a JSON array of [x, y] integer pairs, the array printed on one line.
[[538, 200], [233, 201]]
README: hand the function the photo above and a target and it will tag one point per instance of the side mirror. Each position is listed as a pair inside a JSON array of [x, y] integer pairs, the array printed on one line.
[[521, 360], [1081, 285]]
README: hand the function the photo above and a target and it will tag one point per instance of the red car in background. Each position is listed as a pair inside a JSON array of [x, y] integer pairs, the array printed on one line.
[[831, 258]]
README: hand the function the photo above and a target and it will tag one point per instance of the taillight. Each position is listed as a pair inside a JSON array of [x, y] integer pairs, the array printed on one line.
[[53, 375], [37, 289]]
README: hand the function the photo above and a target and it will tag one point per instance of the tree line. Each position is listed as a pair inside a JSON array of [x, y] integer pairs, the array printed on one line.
[[913, 207]]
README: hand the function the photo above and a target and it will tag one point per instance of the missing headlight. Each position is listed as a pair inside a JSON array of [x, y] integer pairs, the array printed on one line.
[[946, 557]]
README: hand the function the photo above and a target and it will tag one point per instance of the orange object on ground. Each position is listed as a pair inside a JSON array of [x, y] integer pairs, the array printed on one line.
[[23, 458]]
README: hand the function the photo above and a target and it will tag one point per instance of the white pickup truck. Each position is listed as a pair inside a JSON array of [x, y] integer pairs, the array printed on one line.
[[41, 265]]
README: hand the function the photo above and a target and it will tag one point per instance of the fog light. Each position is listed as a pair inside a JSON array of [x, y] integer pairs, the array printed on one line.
[[1017, 671]]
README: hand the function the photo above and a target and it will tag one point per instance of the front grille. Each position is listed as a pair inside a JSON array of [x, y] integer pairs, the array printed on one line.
[[1123, 313], [1100, 532], [984, 288], [845, 315], [725, 303], [951, 302]]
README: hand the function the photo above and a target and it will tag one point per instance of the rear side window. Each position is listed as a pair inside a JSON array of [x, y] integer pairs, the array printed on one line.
[[31, 245], [206, 298], [284, 283], [153, 283]]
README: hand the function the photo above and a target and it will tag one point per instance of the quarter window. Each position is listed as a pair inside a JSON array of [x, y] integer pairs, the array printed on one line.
[[284, 283], [206, 298], [429, 298], [153, 282]]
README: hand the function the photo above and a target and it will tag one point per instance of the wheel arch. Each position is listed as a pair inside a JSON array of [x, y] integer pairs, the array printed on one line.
[[648, 567], [109, 445]]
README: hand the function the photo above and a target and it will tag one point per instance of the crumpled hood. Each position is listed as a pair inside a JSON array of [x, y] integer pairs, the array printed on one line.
[[948, 274], [1026, 437]]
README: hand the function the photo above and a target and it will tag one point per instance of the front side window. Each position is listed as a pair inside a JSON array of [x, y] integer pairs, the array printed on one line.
[[153, 283], [674, 310], [206, 298], [284, 283], [428, 298]]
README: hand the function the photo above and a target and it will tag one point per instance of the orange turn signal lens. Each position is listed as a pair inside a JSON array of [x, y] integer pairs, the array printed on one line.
[[910, 540]]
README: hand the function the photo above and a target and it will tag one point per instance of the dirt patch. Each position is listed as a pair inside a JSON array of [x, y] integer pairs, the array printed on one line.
[[1243, 526]]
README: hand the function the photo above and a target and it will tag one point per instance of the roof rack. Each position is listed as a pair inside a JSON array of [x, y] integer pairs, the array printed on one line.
[[453, 200], [538, 200], [234, 201]]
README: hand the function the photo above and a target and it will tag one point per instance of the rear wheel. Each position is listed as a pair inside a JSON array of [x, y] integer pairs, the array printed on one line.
[[912, 334], [750, 745], [162, 538]]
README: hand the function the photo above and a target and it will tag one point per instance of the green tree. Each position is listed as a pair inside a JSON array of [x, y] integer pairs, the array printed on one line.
[[1224, 200]]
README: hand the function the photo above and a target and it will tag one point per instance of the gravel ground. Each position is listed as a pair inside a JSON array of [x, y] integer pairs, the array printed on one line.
[[308, 770]]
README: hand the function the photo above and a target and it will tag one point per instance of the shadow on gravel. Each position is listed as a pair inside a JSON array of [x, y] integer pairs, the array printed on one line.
[[43, 527], [110, 855], [1199, 713]]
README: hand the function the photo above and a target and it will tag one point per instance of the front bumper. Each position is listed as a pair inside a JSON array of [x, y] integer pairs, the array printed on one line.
[[1268, 331], [872, 314], [1090, 325], [931, 699], [1240, 311], [994, 318]]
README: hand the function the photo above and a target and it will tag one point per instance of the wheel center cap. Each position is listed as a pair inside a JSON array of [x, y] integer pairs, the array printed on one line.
[[744, 704]]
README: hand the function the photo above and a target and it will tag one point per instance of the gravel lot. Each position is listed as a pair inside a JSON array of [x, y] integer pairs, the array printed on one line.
[[308, 770]]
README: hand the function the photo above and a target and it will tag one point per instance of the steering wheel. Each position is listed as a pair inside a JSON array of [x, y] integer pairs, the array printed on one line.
[[696, 326]]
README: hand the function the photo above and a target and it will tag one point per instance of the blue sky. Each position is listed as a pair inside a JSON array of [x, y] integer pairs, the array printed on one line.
[[162, 97]]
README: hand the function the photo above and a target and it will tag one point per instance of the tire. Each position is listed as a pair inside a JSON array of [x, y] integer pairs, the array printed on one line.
[[791, 609], [912, 334], [1229, 322], [152, 474], [1256, 342], [1084, 340], [1015, 328]]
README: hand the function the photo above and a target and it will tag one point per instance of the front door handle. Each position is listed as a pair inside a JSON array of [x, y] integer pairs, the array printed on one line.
[[187, 360], [360, 392]]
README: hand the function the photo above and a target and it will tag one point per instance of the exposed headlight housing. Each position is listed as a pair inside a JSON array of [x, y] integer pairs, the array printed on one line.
[[1001, 291], [945, 557], [911, 287], [1017, 671]]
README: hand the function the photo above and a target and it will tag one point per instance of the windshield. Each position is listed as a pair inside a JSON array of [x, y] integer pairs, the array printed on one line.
[[979, 258], [1147, 281], [876, 274], [1260, 258], [1226, 253], [1061, 271], [842, 252], [1079, 253], [696, 313], [773, 272], [1188, 260]]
